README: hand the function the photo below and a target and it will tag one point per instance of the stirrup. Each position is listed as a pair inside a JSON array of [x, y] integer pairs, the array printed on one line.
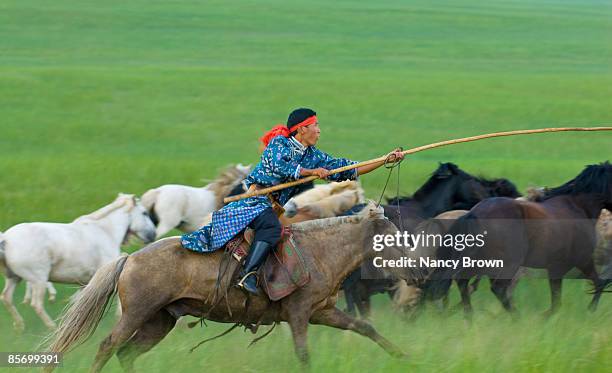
[[240, 283]]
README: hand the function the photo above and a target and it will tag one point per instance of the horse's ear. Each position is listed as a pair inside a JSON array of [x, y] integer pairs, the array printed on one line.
[[242, 168], [130, 200], [453, 167], [444, 170], [375, 212]]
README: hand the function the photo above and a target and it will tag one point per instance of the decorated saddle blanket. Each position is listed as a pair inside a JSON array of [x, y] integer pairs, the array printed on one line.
[[283, 272]]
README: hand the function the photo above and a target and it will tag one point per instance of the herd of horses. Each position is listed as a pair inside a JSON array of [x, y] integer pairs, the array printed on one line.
[[332, 224]]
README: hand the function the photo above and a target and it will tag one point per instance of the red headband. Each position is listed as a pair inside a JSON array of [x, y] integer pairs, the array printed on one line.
[[281, 130]]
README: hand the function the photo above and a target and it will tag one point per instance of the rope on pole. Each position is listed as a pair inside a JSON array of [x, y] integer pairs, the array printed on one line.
[[412, 151]]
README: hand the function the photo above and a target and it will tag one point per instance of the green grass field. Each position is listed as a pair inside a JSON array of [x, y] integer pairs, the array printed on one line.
[[98, 98]]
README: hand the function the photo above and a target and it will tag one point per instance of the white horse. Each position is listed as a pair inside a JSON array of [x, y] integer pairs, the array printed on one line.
[[67, 253], [185, 207]]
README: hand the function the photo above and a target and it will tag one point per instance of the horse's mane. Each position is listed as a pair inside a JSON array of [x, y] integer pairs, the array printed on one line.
[[105, 210], [500, 187], [444, 170], [321, 191], [534, 194], [594, 179], [325, 223], [226, 181]]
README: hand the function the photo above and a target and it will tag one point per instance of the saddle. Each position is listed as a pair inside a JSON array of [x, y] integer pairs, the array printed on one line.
[[283, 272]]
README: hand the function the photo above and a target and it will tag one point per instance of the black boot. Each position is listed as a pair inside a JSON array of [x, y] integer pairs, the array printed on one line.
[[257, 254]]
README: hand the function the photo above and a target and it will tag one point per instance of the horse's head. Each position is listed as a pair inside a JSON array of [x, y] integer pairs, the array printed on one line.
[[471, 190], [372, 211], [229, 182], [242, 169], [235, 176], [503, 188], [468, 192], [449, 188], [140, 222]]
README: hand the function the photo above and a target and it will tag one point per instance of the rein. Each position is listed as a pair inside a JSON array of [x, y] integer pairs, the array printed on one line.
[[390, 165], [412, 151]]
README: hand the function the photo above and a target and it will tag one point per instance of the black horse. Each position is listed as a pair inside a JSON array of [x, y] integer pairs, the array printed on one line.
[[448, 188], [556, 233]]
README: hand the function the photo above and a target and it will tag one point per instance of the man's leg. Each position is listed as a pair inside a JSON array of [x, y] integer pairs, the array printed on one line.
[[267, 234]]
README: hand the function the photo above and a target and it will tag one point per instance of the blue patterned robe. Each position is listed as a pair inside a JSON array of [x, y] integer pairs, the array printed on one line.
[[280, 162]]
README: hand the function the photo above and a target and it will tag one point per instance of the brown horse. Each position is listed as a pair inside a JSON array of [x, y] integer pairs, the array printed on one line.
[[162, 282], [556, 233]]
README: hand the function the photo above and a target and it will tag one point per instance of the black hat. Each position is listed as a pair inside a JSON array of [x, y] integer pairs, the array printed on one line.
[[299, 115]]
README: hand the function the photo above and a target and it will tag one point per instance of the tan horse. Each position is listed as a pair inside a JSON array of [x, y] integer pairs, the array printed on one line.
[[327, 207], [317, 193], [163, 282], [322, 201]]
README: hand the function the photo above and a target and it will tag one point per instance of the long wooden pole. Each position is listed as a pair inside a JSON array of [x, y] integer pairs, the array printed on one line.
[[412, 151]]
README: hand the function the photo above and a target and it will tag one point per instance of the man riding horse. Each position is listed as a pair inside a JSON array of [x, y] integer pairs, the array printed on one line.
[[289, 154]]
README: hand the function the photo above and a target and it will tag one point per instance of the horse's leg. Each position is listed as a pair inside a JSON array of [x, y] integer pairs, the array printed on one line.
[[555, 296], [28, 294], [500, 287], [52, 291], [364, 306], [418, 310], [298, 322], [337, 319], [125, 328], [474, 284], [443, 303], [349, 296], [38, 303], [7, 299], [167, 222], [521, 272], [363, 299], [27, 297], [464, 289], [150, 334], [590, 272]]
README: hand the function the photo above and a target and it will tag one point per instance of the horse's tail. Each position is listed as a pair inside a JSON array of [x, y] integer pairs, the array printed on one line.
[[405, 295], [148, 202], [83, 313]]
